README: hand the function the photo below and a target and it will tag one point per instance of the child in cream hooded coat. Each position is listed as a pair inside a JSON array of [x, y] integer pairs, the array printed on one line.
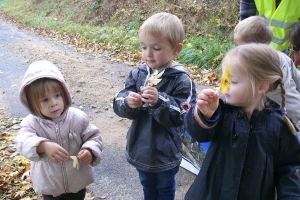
[[54, 174]]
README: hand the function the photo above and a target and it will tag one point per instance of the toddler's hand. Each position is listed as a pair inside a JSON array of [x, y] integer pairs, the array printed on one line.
[[54, 151], [85, 156], [208, 102], [149, 95], [134, 100]]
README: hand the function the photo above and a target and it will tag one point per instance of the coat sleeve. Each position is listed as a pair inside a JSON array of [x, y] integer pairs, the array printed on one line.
[[92, 140], [286, 176], [169, 111], [120, 106], [28, 140], [198, 127]]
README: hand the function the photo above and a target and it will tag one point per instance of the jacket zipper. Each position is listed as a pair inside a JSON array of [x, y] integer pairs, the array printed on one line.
[[59, 140]]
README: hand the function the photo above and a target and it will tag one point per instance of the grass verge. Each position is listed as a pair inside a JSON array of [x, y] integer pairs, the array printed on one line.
[[113, 26]]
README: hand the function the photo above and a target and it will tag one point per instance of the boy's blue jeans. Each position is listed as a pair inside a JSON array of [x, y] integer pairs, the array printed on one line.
[[159, 185]]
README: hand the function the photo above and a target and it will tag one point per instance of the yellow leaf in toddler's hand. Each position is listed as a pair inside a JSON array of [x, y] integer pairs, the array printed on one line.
[[75, 162]]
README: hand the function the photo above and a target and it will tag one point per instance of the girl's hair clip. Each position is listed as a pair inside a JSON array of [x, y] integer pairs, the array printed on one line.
[[283, 111]]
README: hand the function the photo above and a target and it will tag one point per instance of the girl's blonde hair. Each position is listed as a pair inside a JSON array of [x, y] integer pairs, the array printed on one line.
[[254, 29], [260, 62], [37, 90], [164, 25]]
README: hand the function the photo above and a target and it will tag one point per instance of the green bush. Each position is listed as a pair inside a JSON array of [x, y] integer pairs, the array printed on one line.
[[114, 24]]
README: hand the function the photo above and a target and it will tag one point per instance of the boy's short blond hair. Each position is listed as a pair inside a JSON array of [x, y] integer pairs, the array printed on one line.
[[254, 29], [166, 25]]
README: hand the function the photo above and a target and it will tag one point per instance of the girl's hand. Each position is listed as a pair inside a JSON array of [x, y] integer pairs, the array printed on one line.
[[149, 95], [85, 156], [134, 100], [208, 102], [54, 151]]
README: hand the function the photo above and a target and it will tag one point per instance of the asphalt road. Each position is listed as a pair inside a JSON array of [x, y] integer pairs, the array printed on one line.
[[11, 72], [115, 178]]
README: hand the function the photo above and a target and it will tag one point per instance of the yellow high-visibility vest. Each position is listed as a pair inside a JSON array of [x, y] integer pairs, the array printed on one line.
[[281, 19]]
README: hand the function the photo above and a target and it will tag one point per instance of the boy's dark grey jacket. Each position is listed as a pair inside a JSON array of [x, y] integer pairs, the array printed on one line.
[[246, 159], [155, 136]]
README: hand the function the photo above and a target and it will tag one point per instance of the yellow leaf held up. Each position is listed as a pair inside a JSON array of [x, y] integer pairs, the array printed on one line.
[[226, 80], [75, 162], [155, 78]]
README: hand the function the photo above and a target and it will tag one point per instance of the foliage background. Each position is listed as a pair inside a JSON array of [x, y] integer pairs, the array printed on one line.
[[110, 27]]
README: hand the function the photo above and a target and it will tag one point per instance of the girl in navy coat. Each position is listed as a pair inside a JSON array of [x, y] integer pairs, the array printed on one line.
[[254, 153]]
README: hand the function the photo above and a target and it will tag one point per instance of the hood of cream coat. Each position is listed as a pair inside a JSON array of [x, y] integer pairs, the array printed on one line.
[[42, 69]]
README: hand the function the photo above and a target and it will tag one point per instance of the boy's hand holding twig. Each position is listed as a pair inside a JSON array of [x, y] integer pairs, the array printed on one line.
[[85, 156], [54, 151], [149, 94], [208, 102], [134, 100]]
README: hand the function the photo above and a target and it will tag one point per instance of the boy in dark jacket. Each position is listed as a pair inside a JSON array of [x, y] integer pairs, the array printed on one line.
[[156, 97]]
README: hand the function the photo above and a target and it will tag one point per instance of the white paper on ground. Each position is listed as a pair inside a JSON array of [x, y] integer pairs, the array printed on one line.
[[188, 165]]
